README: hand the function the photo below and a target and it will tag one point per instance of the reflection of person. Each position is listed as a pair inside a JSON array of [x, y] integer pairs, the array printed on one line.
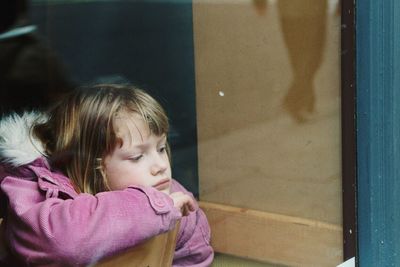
[[304, 29], [31, 76], [111, 142], [303, 26]]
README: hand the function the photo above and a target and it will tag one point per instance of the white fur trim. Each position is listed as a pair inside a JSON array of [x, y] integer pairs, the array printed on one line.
[[17, 145]]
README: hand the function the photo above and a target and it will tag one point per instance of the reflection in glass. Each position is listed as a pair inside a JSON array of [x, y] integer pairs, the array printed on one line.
[[304, 29], [269, 145]]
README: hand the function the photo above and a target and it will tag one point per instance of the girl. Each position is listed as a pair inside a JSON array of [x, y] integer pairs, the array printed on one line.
[[91, 179]]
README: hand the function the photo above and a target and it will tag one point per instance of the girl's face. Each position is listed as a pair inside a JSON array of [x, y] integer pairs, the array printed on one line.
[[141, 160]]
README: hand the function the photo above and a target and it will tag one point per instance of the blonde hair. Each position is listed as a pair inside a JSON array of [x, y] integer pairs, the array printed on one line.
[[81, 131]]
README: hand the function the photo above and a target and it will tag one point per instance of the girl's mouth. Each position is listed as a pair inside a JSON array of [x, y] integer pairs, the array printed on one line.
[[162, 184]]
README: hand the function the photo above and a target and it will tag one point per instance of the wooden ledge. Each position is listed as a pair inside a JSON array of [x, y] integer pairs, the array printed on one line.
[[273, 238]]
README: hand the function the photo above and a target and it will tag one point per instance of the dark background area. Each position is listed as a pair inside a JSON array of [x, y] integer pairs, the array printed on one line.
[[149, 44]]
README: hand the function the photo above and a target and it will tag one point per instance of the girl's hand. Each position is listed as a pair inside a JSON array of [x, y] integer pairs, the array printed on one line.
[[183, 202]]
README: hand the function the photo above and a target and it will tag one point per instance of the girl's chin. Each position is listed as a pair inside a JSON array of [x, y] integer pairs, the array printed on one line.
[[166, 191]]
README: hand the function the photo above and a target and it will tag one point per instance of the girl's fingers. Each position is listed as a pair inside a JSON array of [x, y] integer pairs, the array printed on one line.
[[183, 202]]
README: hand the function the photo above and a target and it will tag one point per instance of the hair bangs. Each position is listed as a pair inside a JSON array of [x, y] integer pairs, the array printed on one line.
[[151, 112]]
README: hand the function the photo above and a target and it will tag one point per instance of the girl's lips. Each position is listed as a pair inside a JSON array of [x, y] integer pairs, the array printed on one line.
[[162, 184]]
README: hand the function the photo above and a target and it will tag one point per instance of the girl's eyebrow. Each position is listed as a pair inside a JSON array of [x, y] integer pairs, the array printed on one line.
[[163, 141], [140, 146], [145, 145]]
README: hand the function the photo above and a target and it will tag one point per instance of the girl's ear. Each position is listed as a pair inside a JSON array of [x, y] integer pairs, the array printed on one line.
[[101, 168]]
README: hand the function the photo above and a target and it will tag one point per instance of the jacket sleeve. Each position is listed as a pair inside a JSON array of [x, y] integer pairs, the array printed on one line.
[[193, 246], [44, 229]]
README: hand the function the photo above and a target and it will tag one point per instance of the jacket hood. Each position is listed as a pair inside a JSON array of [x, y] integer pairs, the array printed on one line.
[[18, 148], [17, 145]]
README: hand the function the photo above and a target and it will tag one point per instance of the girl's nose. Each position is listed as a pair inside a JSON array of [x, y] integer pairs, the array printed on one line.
[[160, 165]]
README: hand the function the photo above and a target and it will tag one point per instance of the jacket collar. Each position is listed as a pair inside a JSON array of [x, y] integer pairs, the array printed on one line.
[[17, 144]]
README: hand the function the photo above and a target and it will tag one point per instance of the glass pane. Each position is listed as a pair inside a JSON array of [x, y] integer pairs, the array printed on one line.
[[268, 113]]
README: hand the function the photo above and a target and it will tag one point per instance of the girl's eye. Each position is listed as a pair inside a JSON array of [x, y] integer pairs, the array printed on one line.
[[136, 158], [162, 149]]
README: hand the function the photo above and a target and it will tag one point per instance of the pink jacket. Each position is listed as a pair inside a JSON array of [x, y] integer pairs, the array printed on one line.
[[46, 223]]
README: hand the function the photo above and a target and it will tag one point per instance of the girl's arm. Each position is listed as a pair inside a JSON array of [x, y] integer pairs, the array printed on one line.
[[193, 247], [42, 228]]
